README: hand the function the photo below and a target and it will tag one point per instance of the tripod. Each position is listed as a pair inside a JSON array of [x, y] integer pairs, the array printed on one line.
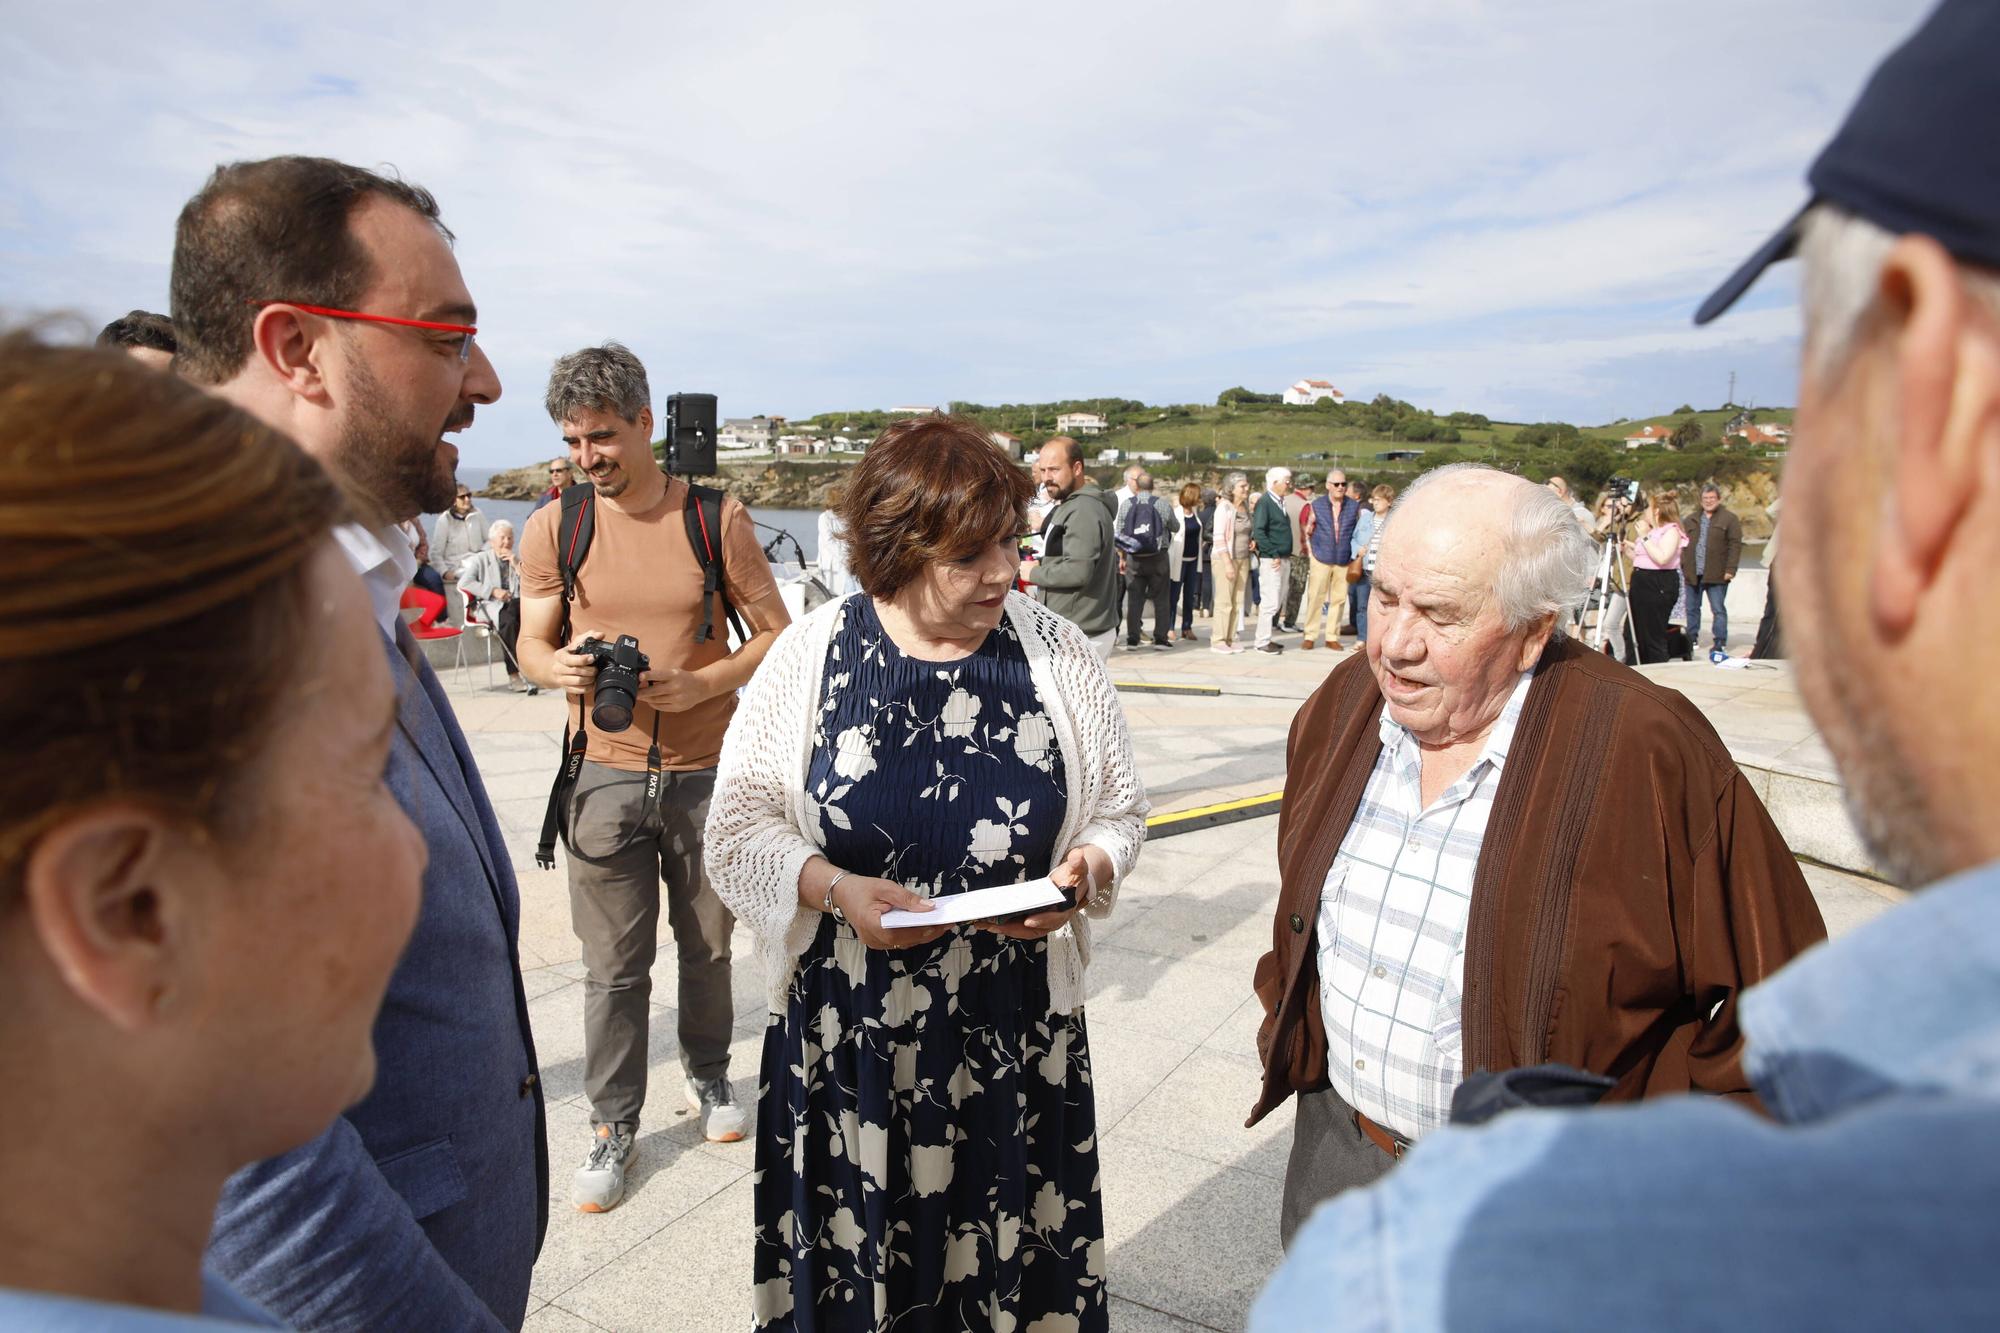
[[1613, 551]]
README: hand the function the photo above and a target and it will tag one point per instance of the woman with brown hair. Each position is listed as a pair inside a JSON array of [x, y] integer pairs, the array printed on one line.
[[1655, 549], [926, 1137], [1184, 562], [204, 884]]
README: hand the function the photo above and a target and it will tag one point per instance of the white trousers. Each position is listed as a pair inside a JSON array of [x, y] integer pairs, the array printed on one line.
[[1271, 579]]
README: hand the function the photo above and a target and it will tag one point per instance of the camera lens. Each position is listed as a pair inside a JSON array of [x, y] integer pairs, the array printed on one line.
[[611, 712]]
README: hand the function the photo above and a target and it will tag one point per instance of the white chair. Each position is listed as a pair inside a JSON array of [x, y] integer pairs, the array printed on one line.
[[476, 625]]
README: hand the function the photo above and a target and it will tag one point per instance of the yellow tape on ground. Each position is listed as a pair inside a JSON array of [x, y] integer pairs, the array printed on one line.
[[1209, 816], [1150, 687]]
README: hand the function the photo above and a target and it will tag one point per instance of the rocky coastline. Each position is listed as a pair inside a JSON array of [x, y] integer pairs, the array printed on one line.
[[768, 484], [763, 485]]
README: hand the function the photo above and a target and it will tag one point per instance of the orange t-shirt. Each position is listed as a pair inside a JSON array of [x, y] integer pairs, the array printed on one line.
[[640, 577]]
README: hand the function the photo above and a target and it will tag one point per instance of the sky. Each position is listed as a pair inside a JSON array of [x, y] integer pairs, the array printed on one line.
[[1510, 208]]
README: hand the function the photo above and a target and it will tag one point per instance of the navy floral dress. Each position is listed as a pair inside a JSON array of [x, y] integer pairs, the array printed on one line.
[[926, 1134]]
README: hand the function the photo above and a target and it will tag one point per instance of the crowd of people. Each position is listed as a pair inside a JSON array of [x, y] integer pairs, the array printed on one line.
[[1535, 931], [1202, 553]]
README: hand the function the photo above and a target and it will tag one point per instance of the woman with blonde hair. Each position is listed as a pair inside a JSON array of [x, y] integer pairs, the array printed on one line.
[[204, 882], [926, 1133], [1655, 548], [1231, 556]]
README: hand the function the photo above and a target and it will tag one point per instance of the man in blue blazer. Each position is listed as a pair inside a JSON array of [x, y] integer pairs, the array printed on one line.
[[326, 301]]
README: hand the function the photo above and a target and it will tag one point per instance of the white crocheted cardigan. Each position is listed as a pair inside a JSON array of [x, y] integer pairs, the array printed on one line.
[[759, 836]]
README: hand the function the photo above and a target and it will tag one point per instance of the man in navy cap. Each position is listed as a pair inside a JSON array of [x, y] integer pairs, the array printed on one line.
[[1867, 1198]]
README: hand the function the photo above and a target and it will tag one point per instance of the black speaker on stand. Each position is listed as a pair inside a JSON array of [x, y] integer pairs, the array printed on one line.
[[691, 434]]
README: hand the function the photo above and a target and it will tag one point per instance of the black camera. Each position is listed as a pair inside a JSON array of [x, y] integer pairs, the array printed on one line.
[[1623, 488], [618, 667]]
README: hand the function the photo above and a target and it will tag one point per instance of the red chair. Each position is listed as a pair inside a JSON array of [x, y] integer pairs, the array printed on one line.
[[429, 606]]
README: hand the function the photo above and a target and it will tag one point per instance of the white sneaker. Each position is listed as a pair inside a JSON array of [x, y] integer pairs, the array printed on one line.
[[721, 1117], [600, 1181]]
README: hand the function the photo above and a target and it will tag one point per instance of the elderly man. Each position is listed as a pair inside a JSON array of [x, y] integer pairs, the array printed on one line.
[[1500, 849], [1271, 544], [1560, 489], [1708, 564], [1868, 1201], [1330, 521]]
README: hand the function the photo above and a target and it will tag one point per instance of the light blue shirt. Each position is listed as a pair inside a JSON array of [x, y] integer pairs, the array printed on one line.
[[1870, 1200], [44, 1312]]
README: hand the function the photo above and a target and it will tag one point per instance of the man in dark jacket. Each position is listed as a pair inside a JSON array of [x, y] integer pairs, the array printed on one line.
[[1078, 571], [424, 1206], [1148, 581], [1708, 564], [1499, 849], [1271, 545]]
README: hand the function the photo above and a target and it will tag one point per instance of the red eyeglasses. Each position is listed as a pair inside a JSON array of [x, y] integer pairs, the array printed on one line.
[[464, 343]]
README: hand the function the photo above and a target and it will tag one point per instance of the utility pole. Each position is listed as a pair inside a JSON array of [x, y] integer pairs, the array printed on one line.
[[1732, 388]]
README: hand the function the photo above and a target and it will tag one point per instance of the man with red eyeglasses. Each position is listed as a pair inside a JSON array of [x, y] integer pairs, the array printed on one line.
[[325, 300]]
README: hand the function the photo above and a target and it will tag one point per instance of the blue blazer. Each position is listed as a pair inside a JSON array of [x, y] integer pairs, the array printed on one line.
[[425, 1205]]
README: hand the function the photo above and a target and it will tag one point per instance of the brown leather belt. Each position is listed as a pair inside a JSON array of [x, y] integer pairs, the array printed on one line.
[[1386, 1139]]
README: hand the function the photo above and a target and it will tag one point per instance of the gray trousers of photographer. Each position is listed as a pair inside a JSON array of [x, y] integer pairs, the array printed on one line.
[[622, 851]]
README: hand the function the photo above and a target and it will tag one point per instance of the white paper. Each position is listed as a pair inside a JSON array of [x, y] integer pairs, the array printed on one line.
[[980, 905]]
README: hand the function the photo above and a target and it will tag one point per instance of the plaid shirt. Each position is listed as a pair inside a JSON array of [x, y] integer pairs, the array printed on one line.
[[1392, 918]]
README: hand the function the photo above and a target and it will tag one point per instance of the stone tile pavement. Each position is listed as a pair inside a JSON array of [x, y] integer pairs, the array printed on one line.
[[1190, 1196]]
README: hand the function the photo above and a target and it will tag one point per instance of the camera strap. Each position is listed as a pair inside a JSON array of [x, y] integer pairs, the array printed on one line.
[[555, 822]]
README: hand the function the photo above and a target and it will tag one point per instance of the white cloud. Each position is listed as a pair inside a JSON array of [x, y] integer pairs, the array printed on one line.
[[803, 207]]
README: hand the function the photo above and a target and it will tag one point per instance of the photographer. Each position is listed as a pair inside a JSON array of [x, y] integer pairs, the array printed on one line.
[[1612, 528], [638, 574]]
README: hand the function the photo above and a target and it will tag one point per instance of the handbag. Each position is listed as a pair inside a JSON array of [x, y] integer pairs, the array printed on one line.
[[1354, 571]]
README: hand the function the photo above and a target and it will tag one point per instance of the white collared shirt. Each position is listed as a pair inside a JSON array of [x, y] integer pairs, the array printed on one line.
[[1391, 930], [386, 564]]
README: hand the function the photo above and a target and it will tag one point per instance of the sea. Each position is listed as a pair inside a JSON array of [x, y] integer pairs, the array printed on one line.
[[773, 525]]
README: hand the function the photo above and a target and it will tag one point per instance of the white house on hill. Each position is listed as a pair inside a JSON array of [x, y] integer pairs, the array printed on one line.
[[914, 410], [1646, 435], [1011, 443], [1082, 423], [1304, 393]]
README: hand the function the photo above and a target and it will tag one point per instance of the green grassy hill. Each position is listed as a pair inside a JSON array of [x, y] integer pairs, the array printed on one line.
[[1205, 441]]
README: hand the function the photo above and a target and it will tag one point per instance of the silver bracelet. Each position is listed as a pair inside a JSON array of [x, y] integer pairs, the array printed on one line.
[[828, 905]]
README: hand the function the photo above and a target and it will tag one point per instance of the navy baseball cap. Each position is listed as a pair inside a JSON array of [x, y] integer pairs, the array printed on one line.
[[1917, 152]]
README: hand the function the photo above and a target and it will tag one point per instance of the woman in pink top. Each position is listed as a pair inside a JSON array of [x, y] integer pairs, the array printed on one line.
[[1656, 573]]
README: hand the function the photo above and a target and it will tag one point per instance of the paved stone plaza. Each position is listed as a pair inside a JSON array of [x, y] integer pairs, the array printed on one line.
[[1190, 1196]]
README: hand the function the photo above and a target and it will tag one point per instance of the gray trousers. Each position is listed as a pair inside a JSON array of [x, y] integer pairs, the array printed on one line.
[[620, 853], [1330, 1154]]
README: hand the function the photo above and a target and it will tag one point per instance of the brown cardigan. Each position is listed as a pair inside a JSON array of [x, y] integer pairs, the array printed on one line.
[[1630, 888]]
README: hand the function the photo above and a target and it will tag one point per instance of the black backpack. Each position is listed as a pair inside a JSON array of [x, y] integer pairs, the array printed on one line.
[[1139, 531], [701, 513]]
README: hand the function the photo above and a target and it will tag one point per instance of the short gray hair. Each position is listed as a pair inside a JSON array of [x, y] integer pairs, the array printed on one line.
[[1272, 476], [1843, 255], [1710, 488], [1232, 481], [498, 526], [598, 379], [1546, 559]]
